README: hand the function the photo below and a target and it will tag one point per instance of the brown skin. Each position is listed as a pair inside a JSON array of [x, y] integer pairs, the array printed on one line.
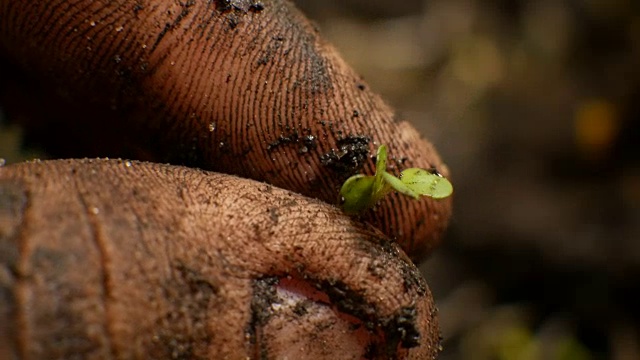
[[234, 86], [113, 259]]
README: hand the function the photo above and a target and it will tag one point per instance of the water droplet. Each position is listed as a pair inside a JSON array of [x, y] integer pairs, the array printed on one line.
[[93, 23], [212, 126], [117, 59], [3, 161], [127, 164], [303, 150], [144, 46], [221, 145], [119, 28], [94, 210]]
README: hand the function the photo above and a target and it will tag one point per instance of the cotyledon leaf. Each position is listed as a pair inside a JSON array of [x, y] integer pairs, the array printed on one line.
[[357, 193], [426, 183], [399, 186]]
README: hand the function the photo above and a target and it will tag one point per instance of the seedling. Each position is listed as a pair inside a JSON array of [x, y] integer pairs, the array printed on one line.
[[361, 192]]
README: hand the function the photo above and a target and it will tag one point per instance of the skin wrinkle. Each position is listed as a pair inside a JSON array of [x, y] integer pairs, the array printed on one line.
[[141, 220], [21, 280], [31, 274], [353, 278], [98, 241], [240, 205]]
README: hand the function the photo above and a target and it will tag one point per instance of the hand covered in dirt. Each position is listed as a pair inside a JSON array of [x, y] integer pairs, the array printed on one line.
[[240, 87], [110, 258], [131, 259]]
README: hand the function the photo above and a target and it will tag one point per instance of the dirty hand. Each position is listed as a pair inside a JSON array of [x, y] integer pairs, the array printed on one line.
[[112, 258], [241, 87], [127, 259]]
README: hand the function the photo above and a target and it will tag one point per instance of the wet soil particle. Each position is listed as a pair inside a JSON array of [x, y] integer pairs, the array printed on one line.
[[305, 143], [399, 328], [264, 294], [349, 157], [239, 5], [302, 308], [256, 6], [347, 300]]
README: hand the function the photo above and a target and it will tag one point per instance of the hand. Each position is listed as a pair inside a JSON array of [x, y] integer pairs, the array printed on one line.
[[249, 90], [111, 258]]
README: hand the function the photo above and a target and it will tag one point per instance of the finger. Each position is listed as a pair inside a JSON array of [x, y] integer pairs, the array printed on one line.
[[122, 259], [243, 87]]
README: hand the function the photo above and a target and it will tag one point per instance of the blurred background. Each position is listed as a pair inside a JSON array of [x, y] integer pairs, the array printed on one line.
[[535, 107]]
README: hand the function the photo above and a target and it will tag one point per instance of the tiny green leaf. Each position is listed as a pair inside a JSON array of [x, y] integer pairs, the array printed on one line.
[[426, 183], [361, 192], [357, 194], [399, 186]]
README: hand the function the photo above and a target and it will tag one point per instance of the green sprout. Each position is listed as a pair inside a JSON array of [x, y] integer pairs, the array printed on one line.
[[361, 192]]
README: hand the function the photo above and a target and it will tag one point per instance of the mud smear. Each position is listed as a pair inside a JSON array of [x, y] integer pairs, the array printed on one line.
[[304, 142], [350, 156], [264, 294], [234, 8], [186, 9], [316, 75], [272, 50], [399, 329], [385, 252], [239, 5], [194, 292]]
